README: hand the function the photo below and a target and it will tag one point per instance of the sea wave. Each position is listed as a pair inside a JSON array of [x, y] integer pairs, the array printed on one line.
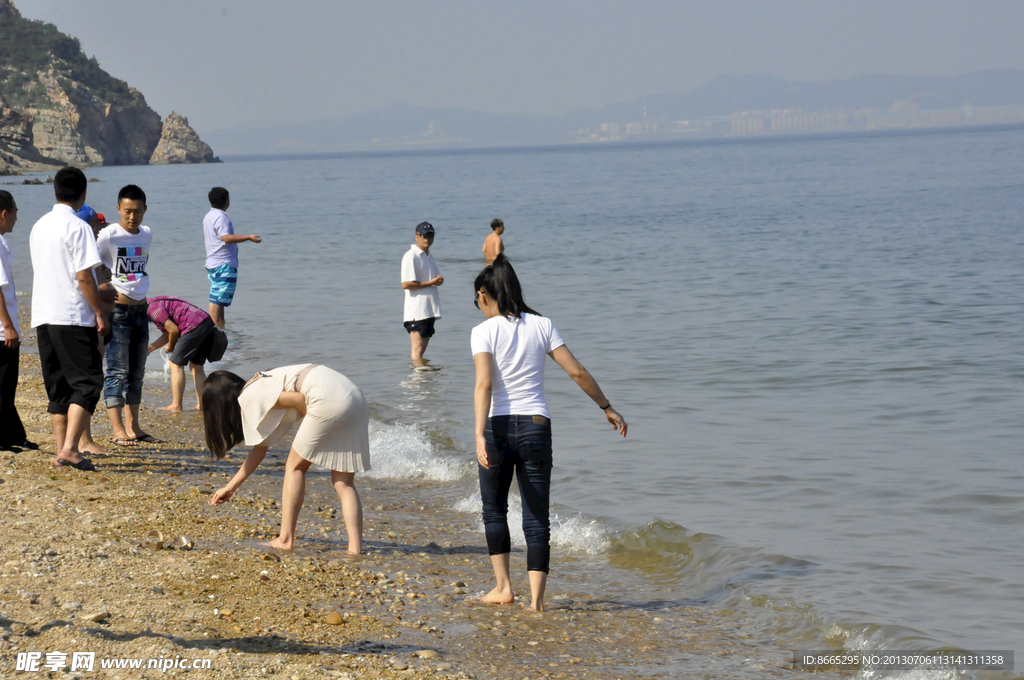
[[574, 532], [400, 451]]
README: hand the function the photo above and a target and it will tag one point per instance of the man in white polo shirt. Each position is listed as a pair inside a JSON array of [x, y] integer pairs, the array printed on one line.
[[12, 431], [67, 316], [420, 279]]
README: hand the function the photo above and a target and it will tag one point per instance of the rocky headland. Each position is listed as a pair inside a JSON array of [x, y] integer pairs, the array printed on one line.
[[58, 107]]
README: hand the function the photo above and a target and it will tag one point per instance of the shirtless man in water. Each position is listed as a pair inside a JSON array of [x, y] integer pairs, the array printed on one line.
[[493, 245]]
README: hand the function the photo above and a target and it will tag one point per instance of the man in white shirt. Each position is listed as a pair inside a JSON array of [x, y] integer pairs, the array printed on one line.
[[67, 316], [221, 253], [124, 249], [12, 431], [420, 279]]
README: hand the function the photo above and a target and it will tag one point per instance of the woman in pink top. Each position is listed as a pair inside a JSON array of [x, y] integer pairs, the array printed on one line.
[[187, 332]]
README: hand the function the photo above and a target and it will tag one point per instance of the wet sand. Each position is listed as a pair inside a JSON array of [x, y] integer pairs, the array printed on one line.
[[77, 576]]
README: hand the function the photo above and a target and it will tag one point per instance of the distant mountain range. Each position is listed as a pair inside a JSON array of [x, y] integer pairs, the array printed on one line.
[[403, 126]]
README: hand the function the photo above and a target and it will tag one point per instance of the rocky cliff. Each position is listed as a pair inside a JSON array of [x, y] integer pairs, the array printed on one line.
[[59, 107], [179, 143]]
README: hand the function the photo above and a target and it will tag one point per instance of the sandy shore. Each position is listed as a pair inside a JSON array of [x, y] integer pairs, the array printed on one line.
[[76, 576]]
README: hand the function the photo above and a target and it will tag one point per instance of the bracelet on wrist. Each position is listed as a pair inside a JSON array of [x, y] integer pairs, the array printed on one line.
[[605, 408]]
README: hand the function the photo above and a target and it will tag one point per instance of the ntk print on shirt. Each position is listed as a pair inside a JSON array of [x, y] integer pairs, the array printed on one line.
[[127, 255], [131, 263]]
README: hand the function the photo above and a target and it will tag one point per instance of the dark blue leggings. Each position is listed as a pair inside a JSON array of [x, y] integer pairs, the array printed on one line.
[[520, 445]]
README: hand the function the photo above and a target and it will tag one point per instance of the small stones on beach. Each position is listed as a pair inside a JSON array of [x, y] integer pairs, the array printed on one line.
[[333, 619], [459, 584], [73, 606], [154, 540], [427, 654], [31, 598], [97, 617], [398, 664], [442, 667], [264, 575]]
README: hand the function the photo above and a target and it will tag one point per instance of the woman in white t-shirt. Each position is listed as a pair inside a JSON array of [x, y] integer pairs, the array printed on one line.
[[513, 424]]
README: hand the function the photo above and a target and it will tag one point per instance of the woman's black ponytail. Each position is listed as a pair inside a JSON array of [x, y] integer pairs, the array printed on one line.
[[500, 282]]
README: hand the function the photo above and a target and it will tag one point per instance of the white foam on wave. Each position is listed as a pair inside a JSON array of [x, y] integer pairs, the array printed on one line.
[[575, 532], [405, 452]]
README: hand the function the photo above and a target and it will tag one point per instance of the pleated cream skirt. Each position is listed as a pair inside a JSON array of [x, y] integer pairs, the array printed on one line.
[[335, 432]]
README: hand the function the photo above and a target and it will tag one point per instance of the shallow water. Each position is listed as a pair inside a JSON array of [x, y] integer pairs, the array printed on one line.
[[816, 343]]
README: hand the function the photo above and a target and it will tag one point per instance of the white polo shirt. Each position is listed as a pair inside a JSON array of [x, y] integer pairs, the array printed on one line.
[[421, 303], [7, 285], [62, 245]]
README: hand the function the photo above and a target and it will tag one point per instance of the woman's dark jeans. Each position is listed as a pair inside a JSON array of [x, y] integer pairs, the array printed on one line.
[[519, 444]]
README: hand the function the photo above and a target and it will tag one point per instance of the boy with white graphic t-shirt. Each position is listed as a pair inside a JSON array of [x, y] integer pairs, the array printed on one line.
[[124, 249]]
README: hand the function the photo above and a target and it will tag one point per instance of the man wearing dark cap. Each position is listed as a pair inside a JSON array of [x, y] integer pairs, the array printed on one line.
[[420, 279]]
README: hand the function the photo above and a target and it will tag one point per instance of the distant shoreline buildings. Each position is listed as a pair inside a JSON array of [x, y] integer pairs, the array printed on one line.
[[901, 116]]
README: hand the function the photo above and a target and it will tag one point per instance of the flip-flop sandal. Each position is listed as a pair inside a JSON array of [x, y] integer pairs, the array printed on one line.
[[85, 464], [124, 441], [148, 439]]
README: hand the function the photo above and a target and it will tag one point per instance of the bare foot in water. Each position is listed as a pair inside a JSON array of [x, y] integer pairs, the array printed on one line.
[[278, 543], [497, 596], [171, 408], [538, 608], [93, 448]]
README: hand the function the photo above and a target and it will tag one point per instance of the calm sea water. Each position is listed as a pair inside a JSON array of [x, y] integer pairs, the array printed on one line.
[[817, 345]]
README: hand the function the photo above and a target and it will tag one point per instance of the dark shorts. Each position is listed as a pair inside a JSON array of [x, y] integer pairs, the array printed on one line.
[[194, 347], [72, 366], [425, 327]]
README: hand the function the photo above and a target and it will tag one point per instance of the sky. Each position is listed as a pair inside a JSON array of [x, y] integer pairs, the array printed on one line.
[[224, 62]]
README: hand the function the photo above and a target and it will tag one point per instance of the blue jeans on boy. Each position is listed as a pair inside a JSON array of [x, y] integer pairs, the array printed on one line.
[[126, 356], [520, 445]]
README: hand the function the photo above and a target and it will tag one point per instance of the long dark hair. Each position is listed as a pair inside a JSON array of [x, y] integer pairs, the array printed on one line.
[[500, 282], [222, 415]]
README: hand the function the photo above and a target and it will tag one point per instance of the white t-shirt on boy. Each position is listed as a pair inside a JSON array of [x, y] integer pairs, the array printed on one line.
[[519, 348], [126, 255]]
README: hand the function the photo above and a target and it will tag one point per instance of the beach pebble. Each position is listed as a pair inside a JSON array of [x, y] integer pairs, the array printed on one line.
[[226, 612], [50, 601], [459, 584], [31, 598], [264, 577], [156, 590], [398, 664], [333, 619], [97, 617], [427, 654], [73, 606]]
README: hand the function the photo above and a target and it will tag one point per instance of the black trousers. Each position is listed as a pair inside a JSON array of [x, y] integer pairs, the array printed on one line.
[[72, 366], [12, 432]]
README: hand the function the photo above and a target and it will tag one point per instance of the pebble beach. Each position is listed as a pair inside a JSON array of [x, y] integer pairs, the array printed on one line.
[[81, 570]]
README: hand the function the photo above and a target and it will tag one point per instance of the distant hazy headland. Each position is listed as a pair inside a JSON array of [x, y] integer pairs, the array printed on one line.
[[755, 104], [58, 107]]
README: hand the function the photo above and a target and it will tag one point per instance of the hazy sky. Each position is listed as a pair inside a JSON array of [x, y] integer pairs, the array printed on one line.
[[220, 62]]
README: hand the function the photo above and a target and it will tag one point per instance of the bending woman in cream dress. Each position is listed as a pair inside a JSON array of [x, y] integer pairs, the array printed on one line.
[[333, 434]]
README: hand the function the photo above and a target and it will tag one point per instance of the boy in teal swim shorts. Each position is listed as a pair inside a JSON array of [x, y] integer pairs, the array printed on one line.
[[221, 253]]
